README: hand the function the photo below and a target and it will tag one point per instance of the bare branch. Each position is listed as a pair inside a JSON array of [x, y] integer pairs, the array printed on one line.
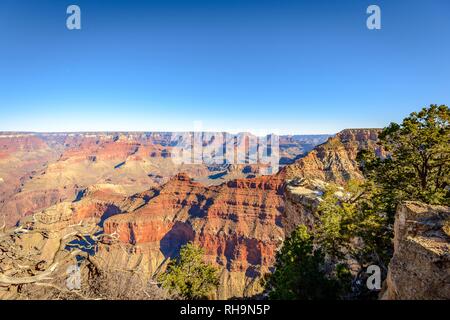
[[32, 279]]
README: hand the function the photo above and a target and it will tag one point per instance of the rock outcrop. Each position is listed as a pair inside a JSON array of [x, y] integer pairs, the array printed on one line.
[[420, 267], [331, 162], [335, 160], [302, 197], [237, 223], [36, 256]]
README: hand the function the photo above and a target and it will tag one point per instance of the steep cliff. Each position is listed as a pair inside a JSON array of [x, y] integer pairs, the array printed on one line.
[[302, 196], [240, 223], [420, 267], [237, 223]]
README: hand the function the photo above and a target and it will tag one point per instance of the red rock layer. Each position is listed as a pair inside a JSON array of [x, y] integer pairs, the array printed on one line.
[[16, 143], [238, 223], [109, 148]]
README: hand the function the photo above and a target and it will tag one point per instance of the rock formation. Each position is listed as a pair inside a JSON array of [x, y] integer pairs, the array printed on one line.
[[302, 196], [420, 267], [37, 257], [237, 223], [335, 160]]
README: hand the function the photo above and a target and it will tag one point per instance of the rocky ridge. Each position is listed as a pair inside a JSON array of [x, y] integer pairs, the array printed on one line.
[[335, 160]]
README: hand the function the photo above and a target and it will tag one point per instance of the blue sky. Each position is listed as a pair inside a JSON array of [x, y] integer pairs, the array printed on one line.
[[235, 65]]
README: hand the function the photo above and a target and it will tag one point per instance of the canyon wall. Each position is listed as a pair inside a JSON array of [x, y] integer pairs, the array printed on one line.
[[240, 224], [237, 223]]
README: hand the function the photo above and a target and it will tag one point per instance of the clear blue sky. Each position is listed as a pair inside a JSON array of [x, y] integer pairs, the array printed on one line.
[[234, 65]]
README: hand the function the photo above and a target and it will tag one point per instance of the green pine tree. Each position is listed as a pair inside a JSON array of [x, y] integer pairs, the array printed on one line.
[[299, 273], [354, 224], [418, 162], [189, 275]]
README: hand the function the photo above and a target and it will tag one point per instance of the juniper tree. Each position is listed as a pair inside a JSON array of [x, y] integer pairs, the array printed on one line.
[[189, 275]]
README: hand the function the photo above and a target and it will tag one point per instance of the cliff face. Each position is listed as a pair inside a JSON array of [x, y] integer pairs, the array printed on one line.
[[420, 267], [331, 162], [237, 223], [335, 160]]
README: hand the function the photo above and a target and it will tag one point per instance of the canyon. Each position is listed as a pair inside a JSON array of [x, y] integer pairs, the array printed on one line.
[[127, 186], [38, 170], [116, 203]]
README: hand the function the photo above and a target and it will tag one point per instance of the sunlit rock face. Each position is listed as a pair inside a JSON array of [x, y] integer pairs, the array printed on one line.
[[237, 223], [335, 160], [420, 267]]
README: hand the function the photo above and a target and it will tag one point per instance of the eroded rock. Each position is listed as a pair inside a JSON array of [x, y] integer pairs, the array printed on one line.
[[420, 267]]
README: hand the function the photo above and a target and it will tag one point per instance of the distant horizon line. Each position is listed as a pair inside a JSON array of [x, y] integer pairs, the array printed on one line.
[[2, 132]]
